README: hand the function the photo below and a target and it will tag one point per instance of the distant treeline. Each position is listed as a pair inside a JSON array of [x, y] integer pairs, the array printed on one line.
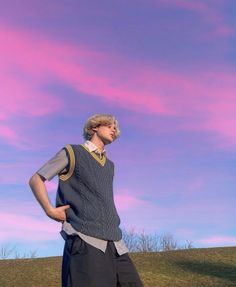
[[142, 242], [135, 241]]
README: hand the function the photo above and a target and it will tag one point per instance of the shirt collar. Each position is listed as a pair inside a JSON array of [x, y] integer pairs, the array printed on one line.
[[92, 147]]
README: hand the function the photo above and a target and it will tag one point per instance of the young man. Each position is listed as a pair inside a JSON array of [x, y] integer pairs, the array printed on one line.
[[94, 253]]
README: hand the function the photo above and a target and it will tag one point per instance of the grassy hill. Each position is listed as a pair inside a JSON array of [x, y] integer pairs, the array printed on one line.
[[212, 267]]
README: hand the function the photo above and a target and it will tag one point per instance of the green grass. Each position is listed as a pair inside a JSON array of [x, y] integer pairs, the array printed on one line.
[[212, 267]]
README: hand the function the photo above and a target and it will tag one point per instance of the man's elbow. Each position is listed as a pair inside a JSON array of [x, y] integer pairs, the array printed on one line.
[[35, 178], [32, 179]]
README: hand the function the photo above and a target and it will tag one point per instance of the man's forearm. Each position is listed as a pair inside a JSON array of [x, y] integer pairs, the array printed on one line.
[[39, 190]]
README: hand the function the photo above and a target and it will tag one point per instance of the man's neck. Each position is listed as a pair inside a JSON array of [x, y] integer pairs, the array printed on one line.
[[98, 143]]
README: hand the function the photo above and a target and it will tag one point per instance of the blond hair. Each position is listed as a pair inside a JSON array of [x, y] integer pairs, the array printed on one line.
[[99, 120]]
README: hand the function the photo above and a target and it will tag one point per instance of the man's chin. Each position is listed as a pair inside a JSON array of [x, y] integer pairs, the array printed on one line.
[[108, 141]]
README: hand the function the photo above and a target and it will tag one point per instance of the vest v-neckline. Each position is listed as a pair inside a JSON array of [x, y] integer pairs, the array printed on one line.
[[93, 154]]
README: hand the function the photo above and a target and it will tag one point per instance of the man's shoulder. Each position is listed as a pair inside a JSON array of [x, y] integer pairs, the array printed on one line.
[[111, 162], [72, 146]]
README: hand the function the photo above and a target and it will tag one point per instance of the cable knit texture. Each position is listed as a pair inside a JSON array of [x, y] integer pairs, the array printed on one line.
[[89, 192]]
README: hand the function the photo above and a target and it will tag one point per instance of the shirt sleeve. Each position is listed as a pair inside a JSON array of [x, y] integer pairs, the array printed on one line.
[[54, 166]]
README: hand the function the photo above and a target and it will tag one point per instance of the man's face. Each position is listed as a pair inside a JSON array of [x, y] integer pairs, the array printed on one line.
[[106, 133]]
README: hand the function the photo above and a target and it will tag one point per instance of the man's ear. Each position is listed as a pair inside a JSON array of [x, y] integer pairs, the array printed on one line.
[[95, 129]]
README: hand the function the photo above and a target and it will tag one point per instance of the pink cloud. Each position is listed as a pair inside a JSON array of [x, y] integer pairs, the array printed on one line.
[[215, 101], [26, 69], [189, 213], [20, 91], [7, 133], [58, 61], [127, 202], [205, 99], [179, 219], [27, 221], [195, 96], [27, 228], [219, 240]]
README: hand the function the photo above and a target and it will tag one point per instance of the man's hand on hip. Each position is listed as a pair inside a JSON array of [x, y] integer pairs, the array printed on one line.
[[58, 213]]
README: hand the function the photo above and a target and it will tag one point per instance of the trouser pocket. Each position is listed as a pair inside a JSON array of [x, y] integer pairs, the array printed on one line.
[[76, 245]]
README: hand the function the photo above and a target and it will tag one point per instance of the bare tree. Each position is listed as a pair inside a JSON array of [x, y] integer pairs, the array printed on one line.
[[167, 242], [130, 238], [6, 251], [189, 244], [148, 243], [30, 254], [142, 242]]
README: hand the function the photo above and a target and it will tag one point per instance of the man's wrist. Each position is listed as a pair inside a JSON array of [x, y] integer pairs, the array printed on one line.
[[49, 210]]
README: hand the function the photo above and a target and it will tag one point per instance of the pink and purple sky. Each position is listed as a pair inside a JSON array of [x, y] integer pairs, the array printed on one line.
[[165, 68]]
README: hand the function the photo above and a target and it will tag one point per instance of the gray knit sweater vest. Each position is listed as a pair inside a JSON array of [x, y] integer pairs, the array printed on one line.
[[89, 192]]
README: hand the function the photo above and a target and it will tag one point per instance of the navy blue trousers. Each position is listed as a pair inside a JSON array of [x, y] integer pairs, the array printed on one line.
[[86, 266]]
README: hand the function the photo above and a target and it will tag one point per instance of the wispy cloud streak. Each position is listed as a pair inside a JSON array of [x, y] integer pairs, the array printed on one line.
[[219, 240], [147, 90], [210, 11]]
